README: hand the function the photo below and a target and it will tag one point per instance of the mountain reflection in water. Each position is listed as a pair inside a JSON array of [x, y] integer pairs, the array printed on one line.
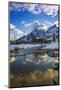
[[33, 69]]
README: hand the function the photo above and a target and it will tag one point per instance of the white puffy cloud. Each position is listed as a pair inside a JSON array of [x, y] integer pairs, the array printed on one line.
[[12, 26], [50, 9], [35, 8], [18, 6]]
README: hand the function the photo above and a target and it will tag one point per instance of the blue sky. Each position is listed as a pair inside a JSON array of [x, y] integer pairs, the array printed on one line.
[[24, 17]]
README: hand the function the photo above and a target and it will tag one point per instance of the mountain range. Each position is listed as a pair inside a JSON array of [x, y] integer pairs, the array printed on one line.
[[39, 35]]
